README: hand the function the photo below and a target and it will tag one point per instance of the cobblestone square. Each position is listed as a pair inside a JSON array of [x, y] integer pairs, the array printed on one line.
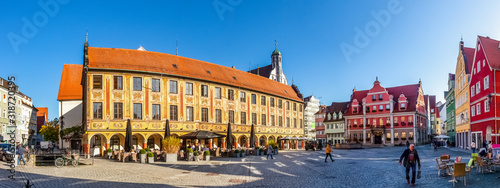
[[377, 167]]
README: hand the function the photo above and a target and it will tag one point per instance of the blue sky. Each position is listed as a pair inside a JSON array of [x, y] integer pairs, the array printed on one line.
[[420, 41]]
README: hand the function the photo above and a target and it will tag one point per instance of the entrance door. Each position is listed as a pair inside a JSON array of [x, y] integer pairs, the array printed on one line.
[[378, 139]]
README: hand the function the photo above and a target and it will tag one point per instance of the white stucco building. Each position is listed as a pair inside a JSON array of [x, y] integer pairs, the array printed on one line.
[[311, 107]]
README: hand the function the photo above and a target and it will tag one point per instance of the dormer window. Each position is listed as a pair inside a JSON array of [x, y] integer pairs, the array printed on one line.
[[340, 115], [402, 106], [334, 116], [355, 109], [380, 97]]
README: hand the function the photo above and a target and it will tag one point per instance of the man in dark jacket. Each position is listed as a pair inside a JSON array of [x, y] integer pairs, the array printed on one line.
[[411, 158]]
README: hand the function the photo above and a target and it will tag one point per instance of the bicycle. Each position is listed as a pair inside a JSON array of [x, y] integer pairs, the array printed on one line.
[[65, 159]]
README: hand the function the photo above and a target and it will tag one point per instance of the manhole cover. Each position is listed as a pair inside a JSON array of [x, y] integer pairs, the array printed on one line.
[[186, 172], [237, 181], [212, 174]]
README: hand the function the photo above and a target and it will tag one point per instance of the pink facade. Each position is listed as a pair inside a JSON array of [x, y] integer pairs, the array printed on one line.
[[389, 116]]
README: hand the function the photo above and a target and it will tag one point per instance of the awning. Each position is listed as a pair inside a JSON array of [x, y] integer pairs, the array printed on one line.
[[201, 135], [285, 138]]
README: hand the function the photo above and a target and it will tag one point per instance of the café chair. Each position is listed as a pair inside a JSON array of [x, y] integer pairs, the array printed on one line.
[[459, 171], [440, 167]]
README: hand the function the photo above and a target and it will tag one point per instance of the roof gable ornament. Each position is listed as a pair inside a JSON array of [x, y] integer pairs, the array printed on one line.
[[141, 48]]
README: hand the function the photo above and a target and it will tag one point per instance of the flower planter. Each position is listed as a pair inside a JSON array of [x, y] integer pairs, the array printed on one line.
[[151, 159], [243, 155], [207, 157], [170, 157], [110, 155], [237, 155], [190, 157], [196, 158], [143, 158]]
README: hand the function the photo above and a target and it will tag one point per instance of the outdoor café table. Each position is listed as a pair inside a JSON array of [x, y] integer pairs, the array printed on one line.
[[449, 168]]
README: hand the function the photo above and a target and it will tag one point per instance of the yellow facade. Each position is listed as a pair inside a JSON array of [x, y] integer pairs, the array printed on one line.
[[462, 95], [148, 128]]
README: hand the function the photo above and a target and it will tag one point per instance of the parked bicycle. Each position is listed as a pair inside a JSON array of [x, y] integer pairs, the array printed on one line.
[[65, 160]]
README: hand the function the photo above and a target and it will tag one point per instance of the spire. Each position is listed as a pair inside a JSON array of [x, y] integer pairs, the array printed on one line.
[[276, 52], [258, 70]]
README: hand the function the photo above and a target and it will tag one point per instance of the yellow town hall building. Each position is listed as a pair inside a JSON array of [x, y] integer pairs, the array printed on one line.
[[150, 87]]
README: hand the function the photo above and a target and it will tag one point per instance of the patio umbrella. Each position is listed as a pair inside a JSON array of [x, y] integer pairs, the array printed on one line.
[[229, 139], [167, 129], [252, 137], [128, 137]]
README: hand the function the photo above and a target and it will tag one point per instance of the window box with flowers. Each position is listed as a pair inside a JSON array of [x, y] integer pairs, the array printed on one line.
[[374, 110], [403, 123], [396, 139], [354, 125], [354, 139], [367, 125], [403, 138], [410, 123], [410, 138], [368, 139], [387, 124], [388, 139], [396, 124]]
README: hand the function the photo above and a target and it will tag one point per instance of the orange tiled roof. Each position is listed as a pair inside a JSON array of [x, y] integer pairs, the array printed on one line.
[[125, 59], [70, 88]]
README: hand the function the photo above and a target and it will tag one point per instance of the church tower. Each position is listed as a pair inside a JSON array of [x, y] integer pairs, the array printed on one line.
[[277, 73]]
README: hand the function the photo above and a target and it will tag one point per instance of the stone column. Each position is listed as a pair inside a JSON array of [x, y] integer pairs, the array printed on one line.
[[364, 130], [392, 129], [145, 145]]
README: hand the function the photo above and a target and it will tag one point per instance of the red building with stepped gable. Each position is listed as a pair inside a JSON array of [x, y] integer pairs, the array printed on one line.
[[387, 116], [484, 95]]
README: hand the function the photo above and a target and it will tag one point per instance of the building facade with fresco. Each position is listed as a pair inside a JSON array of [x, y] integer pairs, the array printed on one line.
[[387, 116], [150, 87]]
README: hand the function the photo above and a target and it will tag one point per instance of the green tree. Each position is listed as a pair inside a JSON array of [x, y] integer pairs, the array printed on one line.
[[50, 131]]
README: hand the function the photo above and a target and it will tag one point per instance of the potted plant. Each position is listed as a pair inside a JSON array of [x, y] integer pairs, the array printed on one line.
[[237, 153], [207, 155], [143, 155], [147, 150], [243, 153], [151, 157], [190, 154], [196, 156], [256, 150], [110, 151], [171, 146]]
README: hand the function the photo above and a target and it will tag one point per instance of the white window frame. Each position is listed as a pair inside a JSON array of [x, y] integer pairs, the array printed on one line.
[[472, 91], [473, 109], [478, 108], [486, 106], [486, 82], [478, 66], [478, 87]]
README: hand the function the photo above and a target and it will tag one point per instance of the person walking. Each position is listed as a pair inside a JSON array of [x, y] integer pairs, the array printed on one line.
[[410, 157], [270, 151], [328, 153], [20, 152], [407, 145], [473, 147]]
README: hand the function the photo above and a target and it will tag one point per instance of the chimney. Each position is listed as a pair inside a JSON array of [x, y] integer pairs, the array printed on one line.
[[233, 67]]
